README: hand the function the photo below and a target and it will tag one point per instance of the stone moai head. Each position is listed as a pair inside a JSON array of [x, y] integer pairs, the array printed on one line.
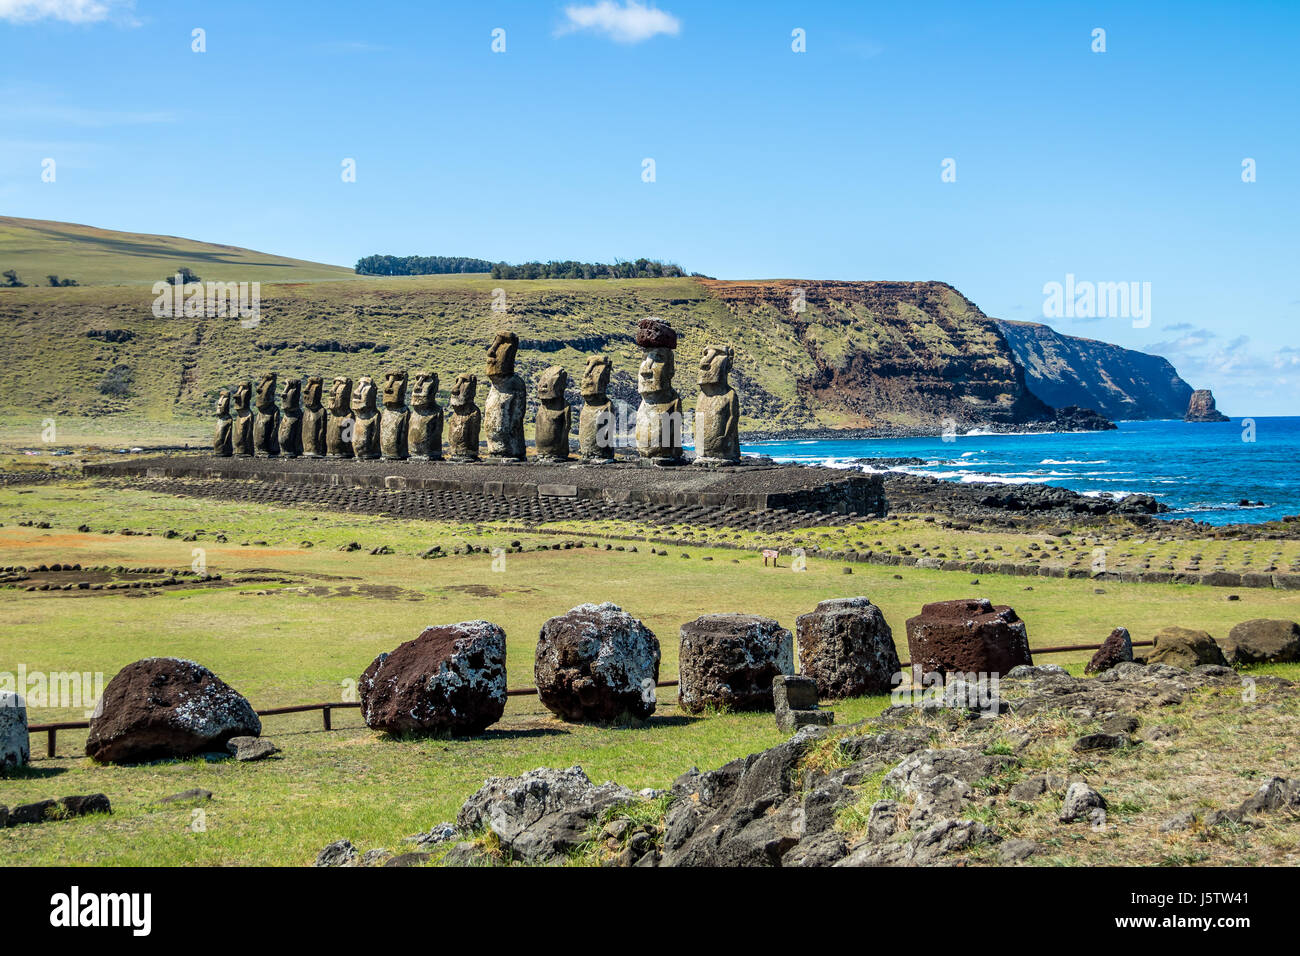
[[463, 392], [424, 393], [365, 395], [313, 393], [243, 397], [291, 397], [552, 384], [715, 365], [501, 354], [266, 390], [659, 340], [395, 389], [341, 396], [223, 403], [595, 377]]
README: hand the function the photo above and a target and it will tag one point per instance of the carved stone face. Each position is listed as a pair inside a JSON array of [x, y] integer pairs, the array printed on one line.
[[341, 396], [463, 392], [715, 365], [552, 384], [266, 391], [365, 396], [425, 391], [314, 386], [223, 403], [243, 396], [656, 371], [595, 377], [501, 354], [291, 397], [395, 389]]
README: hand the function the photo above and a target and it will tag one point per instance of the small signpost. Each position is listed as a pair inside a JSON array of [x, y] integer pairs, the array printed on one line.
[[769, 553]]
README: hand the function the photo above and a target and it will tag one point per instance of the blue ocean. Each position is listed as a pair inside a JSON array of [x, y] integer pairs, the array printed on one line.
[[1199, 471]]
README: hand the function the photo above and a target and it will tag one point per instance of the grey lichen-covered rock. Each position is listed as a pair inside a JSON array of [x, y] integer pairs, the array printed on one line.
[[338, 853], [597, 663], [503, 415], [847, 647], [728, 661], [542, 814], [794, 700], [251, 748], [14, 745], [163, 707], [1185, 647], [450, 679], [1261, 641], [1081, 802]]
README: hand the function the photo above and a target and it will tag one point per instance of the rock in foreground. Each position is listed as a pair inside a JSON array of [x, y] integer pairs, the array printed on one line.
[[163, 707], [846, 646], [1185, 647], [1116, 649], [728, 661], [451, 679], [597, 663], [967, 636], [1262, 641]]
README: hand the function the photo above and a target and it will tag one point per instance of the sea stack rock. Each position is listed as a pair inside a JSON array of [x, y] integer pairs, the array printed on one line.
[[659, 417], [463, 419], [365, 414], [596, 422], [554, 419], [290, 436], [506, 402], [965, 637], [1201, 408], [242, 428], [450, 679], [266, 421], [717, 411], [846, 646], [597, 663], [338, 429], [222, 440], [313, 420], [424, 433], [163, 707], [728, 661], [395, 418]]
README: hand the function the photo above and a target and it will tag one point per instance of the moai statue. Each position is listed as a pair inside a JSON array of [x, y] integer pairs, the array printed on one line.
[[222, 444], [365, 411], [717, 412], [554, 420], [291, 419], [463, 419], [313, 420], [339, 427], [266, 419], [507, 400], [242, 429], [395, 417], [596, 422], [659, 417], [424, 434]]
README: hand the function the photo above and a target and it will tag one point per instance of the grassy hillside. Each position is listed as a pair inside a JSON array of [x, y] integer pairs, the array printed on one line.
[[36, 248]]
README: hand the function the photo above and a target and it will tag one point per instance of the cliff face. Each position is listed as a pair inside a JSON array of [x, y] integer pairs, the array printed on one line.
[[1120, 383], [1201, 408]]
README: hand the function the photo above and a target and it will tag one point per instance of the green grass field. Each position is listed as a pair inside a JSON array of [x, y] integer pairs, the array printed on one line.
[[293, 624]]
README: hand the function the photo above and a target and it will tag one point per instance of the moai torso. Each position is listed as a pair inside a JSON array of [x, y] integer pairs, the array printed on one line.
[[507, 400], [291, 419], [596, 421], [424, 433], [717, 413], [394, 418], [339, 427], [554, 420], [314, 417], [463, 419], [365, 414], [266, 419], [222, 441], [242, 428], [659, 417]]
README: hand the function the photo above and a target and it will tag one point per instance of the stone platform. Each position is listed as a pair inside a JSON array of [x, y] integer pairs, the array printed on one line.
[[770, 494]]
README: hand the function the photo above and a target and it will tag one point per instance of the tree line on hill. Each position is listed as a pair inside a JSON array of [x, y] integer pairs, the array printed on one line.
[[378, 265], [13, 282]]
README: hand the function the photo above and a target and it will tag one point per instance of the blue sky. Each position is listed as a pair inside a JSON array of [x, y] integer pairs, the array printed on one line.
[[1115, 166]]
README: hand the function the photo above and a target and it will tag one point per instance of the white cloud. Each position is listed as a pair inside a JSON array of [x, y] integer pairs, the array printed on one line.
[[629, 23], [70, 11]]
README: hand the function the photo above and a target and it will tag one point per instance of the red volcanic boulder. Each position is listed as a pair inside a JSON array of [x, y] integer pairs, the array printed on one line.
[[967, 636], [451, 679], [597, 663], [846, 646], [162, 707], [728, 661], [1116, 649], [655, 334]]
